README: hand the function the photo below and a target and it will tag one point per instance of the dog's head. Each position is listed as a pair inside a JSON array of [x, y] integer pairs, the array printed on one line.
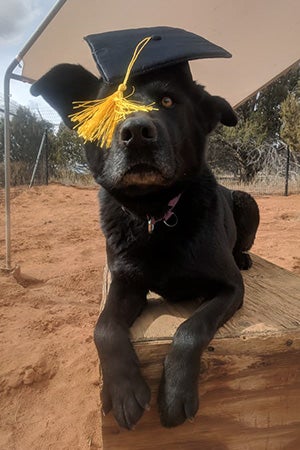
[[150, 151]]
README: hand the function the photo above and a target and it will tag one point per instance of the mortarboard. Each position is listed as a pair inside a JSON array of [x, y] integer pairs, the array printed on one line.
[[123, 53], [168, 46]]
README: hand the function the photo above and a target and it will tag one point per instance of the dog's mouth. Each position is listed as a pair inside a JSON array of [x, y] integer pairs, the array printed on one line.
[[143, 174]]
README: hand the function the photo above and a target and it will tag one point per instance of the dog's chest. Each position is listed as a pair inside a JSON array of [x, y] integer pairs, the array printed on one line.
[[178, 269]]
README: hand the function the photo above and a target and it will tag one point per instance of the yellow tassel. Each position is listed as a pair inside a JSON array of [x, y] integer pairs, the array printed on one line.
[[97, 119]]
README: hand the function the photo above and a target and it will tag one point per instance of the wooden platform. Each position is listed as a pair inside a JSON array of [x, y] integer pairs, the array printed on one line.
[[250, 379]]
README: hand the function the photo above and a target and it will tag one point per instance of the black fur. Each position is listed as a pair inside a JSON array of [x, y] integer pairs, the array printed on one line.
[[154, 157]]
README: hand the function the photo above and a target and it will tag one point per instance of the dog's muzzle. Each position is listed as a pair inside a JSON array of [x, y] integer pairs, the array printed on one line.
[[138, 137]]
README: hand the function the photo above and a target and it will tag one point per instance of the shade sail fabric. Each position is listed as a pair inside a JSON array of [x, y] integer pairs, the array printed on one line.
[[262, 35]]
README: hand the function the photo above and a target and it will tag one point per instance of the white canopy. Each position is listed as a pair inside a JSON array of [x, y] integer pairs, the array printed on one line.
[[262, 35]]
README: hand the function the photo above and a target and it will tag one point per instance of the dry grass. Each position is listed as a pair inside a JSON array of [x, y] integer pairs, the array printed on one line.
[[267, 185], [261, 185], [270, 185], [72, 178]]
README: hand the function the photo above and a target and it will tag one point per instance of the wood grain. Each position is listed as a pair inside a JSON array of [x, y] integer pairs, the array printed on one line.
[[249, 385]]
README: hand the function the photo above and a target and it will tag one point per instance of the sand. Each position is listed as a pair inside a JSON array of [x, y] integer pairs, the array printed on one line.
[[49, 392]]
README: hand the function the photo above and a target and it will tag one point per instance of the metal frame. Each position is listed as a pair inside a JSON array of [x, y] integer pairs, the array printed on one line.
[[9, 75]]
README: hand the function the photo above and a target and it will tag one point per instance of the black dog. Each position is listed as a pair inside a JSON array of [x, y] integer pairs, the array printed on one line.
[[170, 228]]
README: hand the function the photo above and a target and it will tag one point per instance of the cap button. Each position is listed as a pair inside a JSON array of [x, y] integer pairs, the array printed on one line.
[[156, 37]]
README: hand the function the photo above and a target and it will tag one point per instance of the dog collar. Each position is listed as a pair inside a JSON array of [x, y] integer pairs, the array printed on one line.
[[166, 218]]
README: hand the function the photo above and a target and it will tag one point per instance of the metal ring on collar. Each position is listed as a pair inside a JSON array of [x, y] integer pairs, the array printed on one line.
[[173, 223]]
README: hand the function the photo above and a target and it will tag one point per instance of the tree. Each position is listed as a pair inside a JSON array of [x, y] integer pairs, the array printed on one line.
[[266, 104], [238, 150], [26, 134], [264, 121], [67, 150], [290, 119], [1, 139]]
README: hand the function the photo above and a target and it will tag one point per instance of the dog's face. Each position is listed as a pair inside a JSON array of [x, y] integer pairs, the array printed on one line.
[[149, 151]]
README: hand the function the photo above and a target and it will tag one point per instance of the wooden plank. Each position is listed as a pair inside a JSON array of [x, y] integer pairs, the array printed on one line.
[[249, 399], [250, 377], [272, 304]]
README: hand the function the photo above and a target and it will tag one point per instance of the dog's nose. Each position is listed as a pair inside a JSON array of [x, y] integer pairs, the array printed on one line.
[[138, 130]]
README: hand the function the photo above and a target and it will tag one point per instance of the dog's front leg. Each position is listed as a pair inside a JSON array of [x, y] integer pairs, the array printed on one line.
[[178, 394], [124, 390]]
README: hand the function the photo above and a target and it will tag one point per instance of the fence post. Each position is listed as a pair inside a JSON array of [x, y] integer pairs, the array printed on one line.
[[287, 169], [47, 157], [38, 158]]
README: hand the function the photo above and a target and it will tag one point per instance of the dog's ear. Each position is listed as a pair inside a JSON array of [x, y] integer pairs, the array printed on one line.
[[64, 84], [216, 109], [225, 112]]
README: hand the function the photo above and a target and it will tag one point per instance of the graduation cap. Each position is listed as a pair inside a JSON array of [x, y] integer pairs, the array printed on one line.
[[125, 53]]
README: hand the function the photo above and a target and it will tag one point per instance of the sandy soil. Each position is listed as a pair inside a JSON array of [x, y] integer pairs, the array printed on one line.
[[48, 374]]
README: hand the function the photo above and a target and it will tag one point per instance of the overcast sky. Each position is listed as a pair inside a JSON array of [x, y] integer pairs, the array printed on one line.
[[18, 20]]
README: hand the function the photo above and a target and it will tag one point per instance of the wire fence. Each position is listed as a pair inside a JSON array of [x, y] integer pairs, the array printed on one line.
[[39, 173], [29, 172], [279, 175]]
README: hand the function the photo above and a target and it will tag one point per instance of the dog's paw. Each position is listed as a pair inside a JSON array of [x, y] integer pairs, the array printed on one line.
[[127, 396], [178, 395], [243, 261]]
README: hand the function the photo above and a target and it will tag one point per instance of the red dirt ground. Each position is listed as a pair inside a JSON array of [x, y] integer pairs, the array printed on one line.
[[49, 374]]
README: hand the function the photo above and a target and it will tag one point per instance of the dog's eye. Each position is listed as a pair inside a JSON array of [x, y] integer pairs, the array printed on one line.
[[167, 102]]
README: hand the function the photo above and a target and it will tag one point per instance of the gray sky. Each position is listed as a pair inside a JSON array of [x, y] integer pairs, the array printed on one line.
[[18, 20], [16, 17]]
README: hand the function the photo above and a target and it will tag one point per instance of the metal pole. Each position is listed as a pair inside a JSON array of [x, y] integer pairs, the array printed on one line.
[[287, 169], [8, 75], [38, 157]]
